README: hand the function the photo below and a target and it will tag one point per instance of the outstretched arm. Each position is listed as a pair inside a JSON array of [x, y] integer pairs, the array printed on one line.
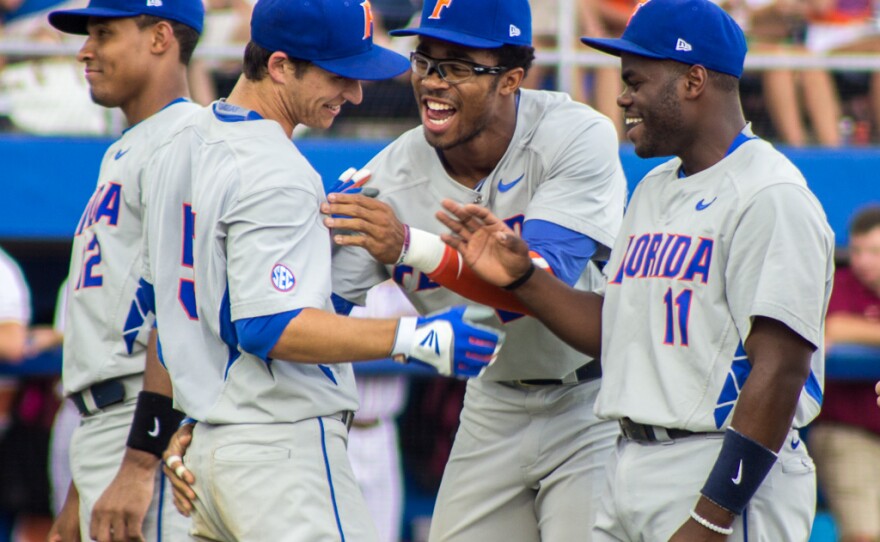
[[500, 257], [370, 224]]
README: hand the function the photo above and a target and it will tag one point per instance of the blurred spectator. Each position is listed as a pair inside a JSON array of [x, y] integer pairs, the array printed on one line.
[[373, 443], [23, 448], [47, 95], [777, 27], [845, 439], [849, 26], [596, 18], [227, 22]]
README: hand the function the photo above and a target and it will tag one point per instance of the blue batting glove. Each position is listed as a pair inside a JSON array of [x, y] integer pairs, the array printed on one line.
[[450, 341], [351, 181]]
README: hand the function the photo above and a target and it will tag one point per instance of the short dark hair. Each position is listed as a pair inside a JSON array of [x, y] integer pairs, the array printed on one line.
[[187, 36], [865, 220], [256, 62], [721, 81], [515, 56]]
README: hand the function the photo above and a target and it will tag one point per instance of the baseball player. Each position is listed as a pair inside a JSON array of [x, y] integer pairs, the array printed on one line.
[[135, 54], [237, 269], [712, 318], [550, 167]]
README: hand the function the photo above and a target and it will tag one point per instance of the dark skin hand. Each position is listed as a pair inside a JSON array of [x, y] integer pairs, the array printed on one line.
[[380, 232], [499, 256]]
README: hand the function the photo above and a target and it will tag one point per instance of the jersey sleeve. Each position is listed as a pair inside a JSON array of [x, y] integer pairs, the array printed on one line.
[[584, 189], [278, 253], [566, 252], [780, 262]]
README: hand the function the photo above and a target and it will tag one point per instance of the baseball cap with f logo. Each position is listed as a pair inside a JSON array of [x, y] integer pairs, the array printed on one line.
[[336, 35], [482, 24]]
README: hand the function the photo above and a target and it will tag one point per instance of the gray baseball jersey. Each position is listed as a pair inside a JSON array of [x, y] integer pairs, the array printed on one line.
[[697, 259], [104, 339], [561, 166], [233, 231]]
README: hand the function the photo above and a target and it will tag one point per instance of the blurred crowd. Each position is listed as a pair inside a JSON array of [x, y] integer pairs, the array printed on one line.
[[794, 107]]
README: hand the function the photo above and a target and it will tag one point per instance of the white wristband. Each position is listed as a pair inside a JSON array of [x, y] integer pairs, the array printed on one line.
[[425, 251], [726, 531], [406, 332]]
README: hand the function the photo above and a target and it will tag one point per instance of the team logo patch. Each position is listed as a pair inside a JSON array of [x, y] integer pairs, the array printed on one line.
[[282, 278]]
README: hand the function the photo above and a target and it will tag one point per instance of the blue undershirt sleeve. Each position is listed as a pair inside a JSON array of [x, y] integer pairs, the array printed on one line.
[[566, 251], [259, 335], [342, 305]]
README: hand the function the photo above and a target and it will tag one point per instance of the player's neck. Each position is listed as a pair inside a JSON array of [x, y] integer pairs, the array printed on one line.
[[474, 160], [709, 143], [161, 91]]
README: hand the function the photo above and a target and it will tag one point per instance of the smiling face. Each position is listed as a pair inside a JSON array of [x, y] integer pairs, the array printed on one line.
[[455, 114], [116, 55], [653, 116], [314, 96]]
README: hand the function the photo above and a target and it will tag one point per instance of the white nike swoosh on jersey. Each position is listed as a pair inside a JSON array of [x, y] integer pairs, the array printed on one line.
[[155, 432], [739, 474]]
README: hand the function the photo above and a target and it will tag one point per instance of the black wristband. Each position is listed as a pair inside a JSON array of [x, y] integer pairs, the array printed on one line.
[[155, 421], [522, 280], [739, 471]]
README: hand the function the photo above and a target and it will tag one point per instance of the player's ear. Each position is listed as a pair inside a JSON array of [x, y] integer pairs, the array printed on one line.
[[162, 37], [278, 66], [695, 81], [510, 81]]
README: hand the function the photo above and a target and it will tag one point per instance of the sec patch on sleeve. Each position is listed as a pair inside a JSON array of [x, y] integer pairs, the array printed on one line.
[[282, 278]]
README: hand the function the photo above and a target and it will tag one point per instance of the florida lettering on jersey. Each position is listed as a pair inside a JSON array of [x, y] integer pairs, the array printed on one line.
[[104, 203], [666, 255]]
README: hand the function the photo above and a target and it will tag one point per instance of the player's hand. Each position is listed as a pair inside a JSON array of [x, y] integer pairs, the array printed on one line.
[[362, 221], [181, 478], [452, 342], [489, 247], [118, 516], [66, 525]]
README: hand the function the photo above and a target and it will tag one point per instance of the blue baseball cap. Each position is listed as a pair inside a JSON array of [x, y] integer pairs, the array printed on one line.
[[481, 24], [336, 35], [73, 21], [688, 31]]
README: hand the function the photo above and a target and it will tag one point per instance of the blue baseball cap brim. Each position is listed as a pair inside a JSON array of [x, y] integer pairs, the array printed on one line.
[[616, 46], [372, 65], [458, 38], [75, 21]]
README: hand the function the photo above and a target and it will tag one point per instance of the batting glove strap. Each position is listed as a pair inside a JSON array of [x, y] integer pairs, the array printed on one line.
[[739, 471], [155, 421], [450, 342]]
